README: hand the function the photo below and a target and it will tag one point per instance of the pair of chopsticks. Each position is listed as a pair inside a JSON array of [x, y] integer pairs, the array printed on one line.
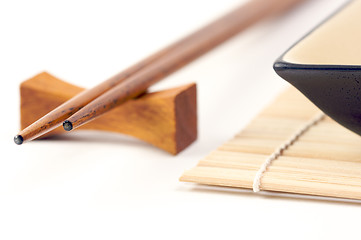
[[133, 81]]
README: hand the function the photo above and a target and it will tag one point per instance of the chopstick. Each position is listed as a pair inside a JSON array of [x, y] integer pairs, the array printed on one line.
[[136, 79], [189, 49], [56, 117]]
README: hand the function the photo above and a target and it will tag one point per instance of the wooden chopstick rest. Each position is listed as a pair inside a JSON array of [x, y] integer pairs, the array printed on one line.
[[165, 119]]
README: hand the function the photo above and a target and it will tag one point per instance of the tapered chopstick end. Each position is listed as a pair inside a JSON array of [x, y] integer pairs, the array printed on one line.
[[18, 139], [67, 125]]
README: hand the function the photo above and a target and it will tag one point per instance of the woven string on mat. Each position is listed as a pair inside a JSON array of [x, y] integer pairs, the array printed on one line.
[[278, 152]]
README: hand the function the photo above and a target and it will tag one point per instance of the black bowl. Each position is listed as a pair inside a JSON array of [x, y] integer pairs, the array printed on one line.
[[325, 66]]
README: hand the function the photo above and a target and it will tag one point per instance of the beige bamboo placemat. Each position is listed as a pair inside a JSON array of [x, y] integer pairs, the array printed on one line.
[[325, 160]]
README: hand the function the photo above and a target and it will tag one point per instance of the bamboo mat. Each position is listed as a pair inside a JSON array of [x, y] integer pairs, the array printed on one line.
[[324, 161]]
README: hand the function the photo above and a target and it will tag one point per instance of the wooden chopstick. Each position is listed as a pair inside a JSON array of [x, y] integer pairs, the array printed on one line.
[[56, 117], [189, 49], [136, 79]]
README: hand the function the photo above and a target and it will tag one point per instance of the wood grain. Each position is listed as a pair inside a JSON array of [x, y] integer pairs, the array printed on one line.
[[325, 161], [55, 117], [166, 119], [136, 79], [186, 50]]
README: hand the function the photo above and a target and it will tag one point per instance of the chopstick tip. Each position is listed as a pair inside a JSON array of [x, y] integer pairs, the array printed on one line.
[[67, 125], [18, 139]]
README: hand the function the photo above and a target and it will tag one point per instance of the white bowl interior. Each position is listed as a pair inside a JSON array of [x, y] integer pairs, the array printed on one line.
[[335, 42]]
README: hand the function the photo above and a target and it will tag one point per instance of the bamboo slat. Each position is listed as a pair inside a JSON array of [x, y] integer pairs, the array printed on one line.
[[324, 161]]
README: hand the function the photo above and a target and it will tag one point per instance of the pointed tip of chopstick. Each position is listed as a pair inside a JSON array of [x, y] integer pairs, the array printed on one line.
[[67, 125], [18, 139]]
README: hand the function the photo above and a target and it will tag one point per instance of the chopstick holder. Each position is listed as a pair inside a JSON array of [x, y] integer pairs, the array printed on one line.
[[166, 119]]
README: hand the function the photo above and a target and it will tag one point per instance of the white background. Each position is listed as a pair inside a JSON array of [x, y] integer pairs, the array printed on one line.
[[93, 185]]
